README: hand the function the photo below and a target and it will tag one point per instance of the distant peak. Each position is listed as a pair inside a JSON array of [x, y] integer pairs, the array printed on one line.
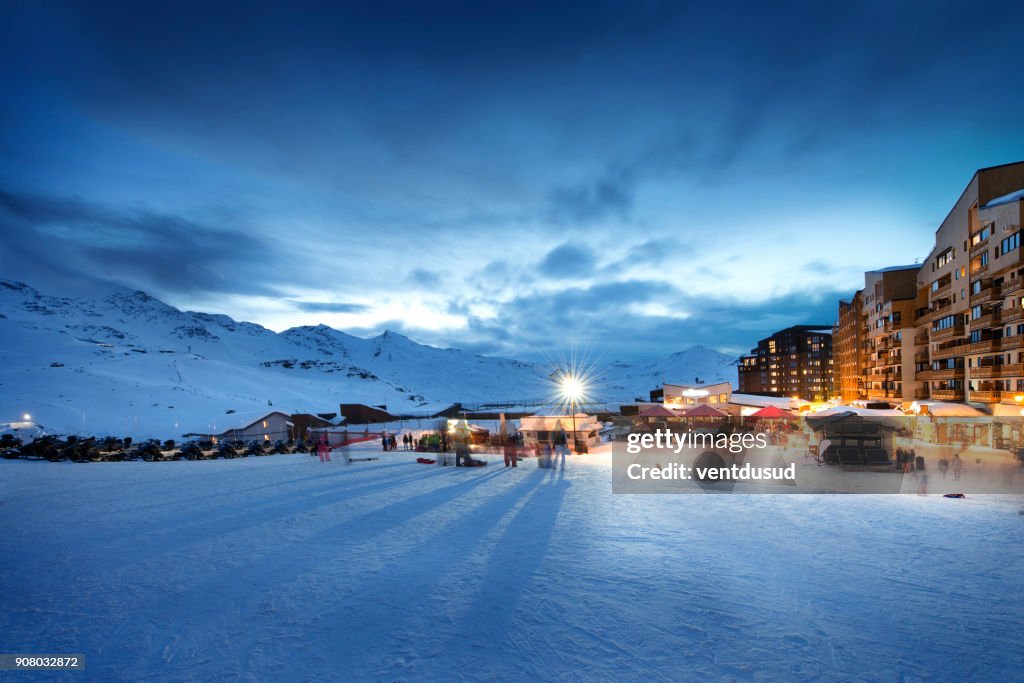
[[16, 286], [392, 335]]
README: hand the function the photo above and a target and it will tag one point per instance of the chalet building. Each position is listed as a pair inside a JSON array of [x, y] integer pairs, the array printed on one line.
[[689, 395], [272, 426], [794, 362]]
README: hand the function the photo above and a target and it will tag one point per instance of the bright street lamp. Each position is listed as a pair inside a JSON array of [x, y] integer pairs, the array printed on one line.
[[572, 389]]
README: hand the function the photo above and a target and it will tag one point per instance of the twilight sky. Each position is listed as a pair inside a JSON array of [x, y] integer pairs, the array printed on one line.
[[631, 177]]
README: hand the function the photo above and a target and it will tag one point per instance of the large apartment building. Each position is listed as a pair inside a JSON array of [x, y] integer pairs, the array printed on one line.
[[796, 361], [848, 350], [971, 288], [890, 298], [875, 339]]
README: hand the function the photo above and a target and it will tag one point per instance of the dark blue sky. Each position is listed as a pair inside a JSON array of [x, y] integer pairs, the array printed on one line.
[[632, 177]]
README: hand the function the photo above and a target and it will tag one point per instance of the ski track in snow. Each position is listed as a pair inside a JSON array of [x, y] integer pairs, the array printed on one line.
[[285, 568]]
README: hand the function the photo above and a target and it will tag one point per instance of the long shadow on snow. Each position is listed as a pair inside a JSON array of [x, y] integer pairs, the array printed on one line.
[[378, 612], [234, 587], [328, 477], [169, 537]]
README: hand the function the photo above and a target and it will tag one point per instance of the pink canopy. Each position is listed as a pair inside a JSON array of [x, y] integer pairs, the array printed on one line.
[[704, 410], [773, 413], [657, 411]]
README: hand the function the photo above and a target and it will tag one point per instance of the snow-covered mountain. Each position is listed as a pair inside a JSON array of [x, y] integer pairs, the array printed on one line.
[[126, 363]]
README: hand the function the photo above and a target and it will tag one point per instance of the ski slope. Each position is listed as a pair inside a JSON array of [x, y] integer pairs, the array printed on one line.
[[285, 568]]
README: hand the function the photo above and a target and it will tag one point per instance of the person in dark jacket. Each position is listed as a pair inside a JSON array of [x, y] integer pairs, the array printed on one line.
[[561, 444]]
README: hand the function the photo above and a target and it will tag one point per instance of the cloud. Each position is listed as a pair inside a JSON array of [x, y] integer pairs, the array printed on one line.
[[610, 196], [163, 253], [567, 261], [425, 278], [329, 307]]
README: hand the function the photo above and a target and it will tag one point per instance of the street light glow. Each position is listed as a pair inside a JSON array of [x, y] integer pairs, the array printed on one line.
[[572, 387]]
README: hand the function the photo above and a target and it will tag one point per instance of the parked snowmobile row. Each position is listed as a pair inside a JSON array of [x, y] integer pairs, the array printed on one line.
[[111, 449]]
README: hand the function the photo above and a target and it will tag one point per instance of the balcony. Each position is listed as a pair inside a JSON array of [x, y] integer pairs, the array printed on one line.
[[979, 247], [984, 322], [1012, 370], [985, 371], [885, 393], [947, 394], [985, 346], [950, 351], [947, 332], [942, 291], [921, 356], [921, 393], [1011, 315], [985, 295], [1014, 342], [946, 373], [986, 396], [977, 270], [1013, 286]]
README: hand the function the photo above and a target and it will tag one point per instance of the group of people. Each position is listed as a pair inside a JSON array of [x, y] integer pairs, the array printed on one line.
[[957, 465], [551, 454], [389, 442]]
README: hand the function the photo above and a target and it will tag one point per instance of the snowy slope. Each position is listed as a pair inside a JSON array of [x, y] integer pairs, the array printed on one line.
[[123, 362], [698, 364], [289, 569]]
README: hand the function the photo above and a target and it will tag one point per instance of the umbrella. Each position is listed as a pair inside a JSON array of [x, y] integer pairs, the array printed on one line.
[[773, 413], [657, 411], [704, 410]]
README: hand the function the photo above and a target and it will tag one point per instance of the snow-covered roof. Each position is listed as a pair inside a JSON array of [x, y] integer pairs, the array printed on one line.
[[754, 400], [864, 412], [944, 409], [890, 269], [1006, 199], [244, 420]]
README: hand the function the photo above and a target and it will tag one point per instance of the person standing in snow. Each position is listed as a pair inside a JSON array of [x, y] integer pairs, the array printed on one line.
[[461, 438], [561, 444], [957, 466], [511, 453], [943, 466]]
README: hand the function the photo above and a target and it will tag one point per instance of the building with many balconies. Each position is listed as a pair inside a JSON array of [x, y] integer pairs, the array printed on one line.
[[971, 289], [794, 362], [848, 350]]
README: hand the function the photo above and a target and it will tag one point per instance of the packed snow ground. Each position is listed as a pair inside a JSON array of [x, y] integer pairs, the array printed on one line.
[[286, 568]]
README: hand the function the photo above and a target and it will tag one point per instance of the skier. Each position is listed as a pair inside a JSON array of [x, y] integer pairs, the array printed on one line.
[[323, 452], [943, 466]]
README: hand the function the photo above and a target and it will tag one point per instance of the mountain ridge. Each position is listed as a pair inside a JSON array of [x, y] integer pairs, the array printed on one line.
[[127, 362]]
